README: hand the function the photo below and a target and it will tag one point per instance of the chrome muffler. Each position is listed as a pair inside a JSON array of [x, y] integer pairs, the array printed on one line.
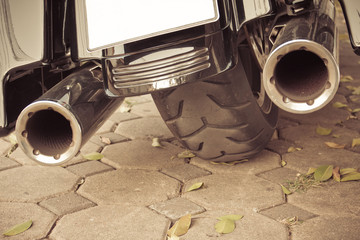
[[301, 74], [52, 129]]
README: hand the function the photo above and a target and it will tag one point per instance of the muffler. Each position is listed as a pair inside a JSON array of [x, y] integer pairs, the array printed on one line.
[[52, 129], [301, 74]]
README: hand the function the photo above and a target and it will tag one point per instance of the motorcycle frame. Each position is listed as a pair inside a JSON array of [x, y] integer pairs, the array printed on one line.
[[42, 49]]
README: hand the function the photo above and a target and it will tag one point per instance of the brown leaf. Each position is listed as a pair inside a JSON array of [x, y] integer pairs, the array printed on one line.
[[105, 140], [334, 145], [336, 174], [181, 226]]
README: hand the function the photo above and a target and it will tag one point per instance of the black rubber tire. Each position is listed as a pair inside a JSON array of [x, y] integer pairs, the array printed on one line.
[[218, 119]]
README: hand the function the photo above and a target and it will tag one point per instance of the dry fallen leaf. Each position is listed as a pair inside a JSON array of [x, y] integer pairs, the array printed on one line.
[[346, 78], [336, 174], [195, 186], [344, 171], [231, 163], [225, 226], [105, 140], [186, 154], [311, 171], [283, 163], [355, 142], [180, 227], [335, 145], [285, 190], [323, 173], [93, 156], [156, 143], [323, 131], [17, 229], [340, 105], [354, 176]]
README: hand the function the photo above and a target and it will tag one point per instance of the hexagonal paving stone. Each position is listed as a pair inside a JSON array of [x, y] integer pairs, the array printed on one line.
[[148, 127], [16, 213], [331, 198], [129, 187], [263, 161], [110, 223], [176, 208], [185, 172], [306, 136], [235, 192], [327, 227], [6, 163], [279, 175], [139, 154], [314, 157], [251, 226], [33, 183], [285, 211], [89, 168], [67, 203]]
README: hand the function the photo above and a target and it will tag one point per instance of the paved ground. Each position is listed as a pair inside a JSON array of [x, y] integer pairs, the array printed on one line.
[[137, 191]]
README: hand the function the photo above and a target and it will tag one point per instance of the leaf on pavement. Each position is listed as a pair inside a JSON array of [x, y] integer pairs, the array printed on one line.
[[311, 171], [336, 174], [233, 217], [356, 110], [180, 227], [335, 145], [17, 229], [225, 226], [340, 105], [105, 140], [195, 186], [283, 163], [285, 190], [323, 173], [355, 142], [323, 131], [356, 91], [156, 143], [346, 78], [354, 176], [186, 154], [93, 156], [344, 171]]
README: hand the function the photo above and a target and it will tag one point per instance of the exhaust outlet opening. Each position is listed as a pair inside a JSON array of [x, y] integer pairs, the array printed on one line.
[[301, 76], [49, 133]]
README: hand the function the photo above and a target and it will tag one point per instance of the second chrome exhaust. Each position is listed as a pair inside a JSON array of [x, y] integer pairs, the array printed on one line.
[[52, 129], [301, 74]]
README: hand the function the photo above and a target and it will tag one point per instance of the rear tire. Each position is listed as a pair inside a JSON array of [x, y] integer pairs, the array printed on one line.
[[219, 119]]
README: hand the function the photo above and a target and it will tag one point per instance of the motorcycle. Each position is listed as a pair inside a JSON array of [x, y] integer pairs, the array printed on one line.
[[218, 70]]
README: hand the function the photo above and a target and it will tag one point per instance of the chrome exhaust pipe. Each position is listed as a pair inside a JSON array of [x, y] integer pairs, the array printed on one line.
[[52, 129], [301, 74]]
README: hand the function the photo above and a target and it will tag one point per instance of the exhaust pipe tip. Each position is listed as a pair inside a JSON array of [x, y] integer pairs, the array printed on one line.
[[48, 132], [301, 76]]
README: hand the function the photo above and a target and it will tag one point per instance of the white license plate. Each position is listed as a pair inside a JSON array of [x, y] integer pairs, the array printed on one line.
[[111, 22]]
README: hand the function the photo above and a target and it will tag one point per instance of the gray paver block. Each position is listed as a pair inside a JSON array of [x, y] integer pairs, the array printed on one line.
[[314, 157], [328, 227], [185, 172], [129, 187], [67, 203], [263, 161], [280, 146], [251, 226], [113, 137], [16, 213], [123, 116], [89, 168], [4, 146], [110, 223], [108, 126], [331, 198], [34, 183], [6, 163], [144, 128], [306, 136], [146, 110], [279, 175], [287, 211], [234, 192], [176, 208], [139, 154]]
